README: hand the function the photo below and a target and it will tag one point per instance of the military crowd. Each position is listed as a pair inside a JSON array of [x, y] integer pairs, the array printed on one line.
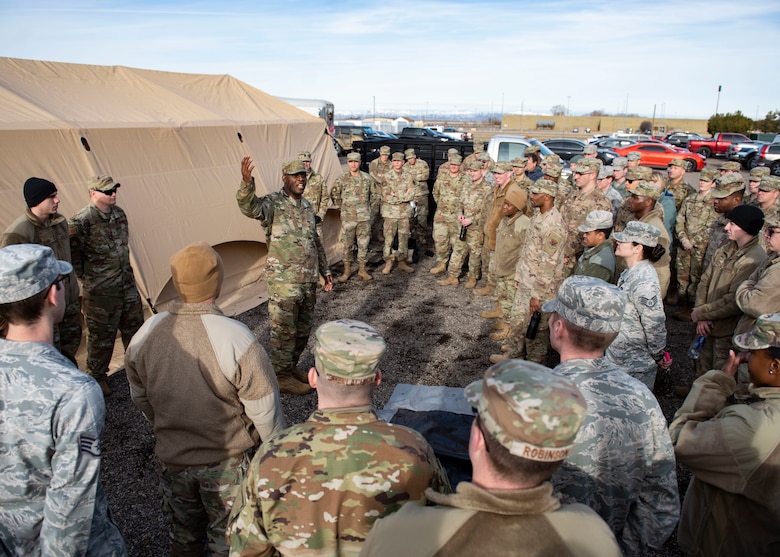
[[574, 460]]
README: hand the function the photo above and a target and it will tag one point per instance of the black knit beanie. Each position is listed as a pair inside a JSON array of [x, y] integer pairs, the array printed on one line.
[[748, 217], [36, 190]]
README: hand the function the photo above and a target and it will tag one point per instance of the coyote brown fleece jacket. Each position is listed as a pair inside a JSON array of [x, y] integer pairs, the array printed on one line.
[[205, 384]]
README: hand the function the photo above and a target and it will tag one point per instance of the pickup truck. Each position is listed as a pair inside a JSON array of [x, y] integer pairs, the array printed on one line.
[[424, 133], [745, 152], [453, 133], [504, 148], [717, 146]]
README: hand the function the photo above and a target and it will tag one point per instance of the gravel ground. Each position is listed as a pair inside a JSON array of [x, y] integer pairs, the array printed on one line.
[[435, 337]]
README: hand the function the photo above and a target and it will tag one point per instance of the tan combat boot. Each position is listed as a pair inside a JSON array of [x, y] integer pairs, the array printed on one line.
[[500, 334], [402, 266], [498, 358], [493, 313], [471, 283], [290, 385], [486, 290], [388, 267], [499, 325], [440, 268], [449, 281], [362, 273], [347, 271]]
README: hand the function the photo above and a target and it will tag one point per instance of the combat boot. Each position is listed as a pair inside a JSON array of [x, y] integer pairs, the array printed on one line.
[[388, 267], [347, 271], [362, 273], [493, 313], [486, 290], [403, 266], [501, 334], [504, 348], [449, 281], [440, 268], [290, 385], [498, 358], [499, 325], [471, 283], [683, 314], [301, 375], [104, 387]]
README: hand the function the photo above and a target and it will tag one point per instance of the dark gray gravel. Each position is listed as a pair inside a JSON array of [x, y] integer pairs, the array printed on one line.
[[435, 337]]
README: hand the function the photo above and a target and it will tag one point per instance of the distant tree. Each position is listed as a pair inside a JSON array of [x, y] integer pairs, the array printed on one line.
[[558, 110], [770, 123], [736, 122], [646, 126], [599, 112]]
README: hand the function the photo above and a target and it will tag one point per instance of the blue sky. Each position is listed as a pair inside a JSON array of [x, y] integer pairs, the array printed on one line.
[[447, 55]]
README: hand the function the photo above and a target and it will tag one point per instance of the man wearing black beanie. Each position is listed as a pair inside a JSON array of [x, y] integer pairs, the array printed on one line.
[[42, 224], [716, 312]]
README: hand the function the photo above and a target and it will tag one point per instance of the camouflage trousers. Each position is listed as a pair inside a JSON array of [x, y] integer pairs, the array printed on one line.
[[391, 227], [534, 350], [67, 334], [291, 312], [471, 247], [198, 501], [104, 316], [690, 265], [445, 230], [505, 295], [714, 354], [487, 265], [351, 231], [419, 223]]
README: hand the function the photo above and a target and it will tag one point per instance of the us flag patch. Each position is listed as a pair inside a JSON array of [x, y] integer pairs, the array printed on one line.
[[89, 444]]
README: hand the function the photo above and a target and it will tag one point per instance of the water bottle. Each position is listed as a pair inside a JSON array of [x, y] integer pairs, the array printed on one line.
[[462, 235], [533, 325], [695, 348]]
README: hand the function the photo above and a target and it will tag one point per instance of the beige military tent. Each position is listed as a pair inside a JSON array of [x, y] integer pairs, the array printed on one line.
[[174, 141]]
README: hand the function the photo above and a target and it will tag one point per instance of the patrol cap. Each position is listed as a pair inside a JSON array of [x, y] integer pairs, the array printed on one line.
[[758, 172], [353, 157], [619, 162], [728, 184], [730, 165], [26, 270], [398, 156], [639, 173], [544, 186], [769, 183], [748, 217], [764, 334], [293, 167], [348, 351], [479, 146], [709, 175], [384, 150], [552, 158], [678, 162], [452, 151], [590, 303], [35, 190], [410, 154], [638, 232], [304, 156], [647, 189], [772, 222], [605, 172], [102, 183], [590, 149], [532, 411], [553, 169], [473, 164], [483, 157], [502, 168], [197, 272], [516, 197], [531, 149], [455, 159], [597, 220], [586, 166], [633, 156], [519, 161]]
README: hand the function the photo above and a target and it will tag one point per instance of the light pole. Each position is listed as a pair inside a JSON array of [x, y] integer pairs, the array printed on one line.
[[717, 103]]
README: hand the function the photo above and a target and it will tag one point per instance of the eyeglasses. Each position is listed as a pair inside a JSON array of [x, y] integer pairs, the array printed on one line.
[[771, 231]]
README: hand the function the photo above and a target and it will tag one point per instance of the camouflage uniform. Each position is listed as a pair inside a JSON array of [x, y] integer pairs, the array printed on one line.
[[27, 229], [397, 194], [680, 191], [356, 196], [316, 193], [694, 223], [420, 172], [510, 238], [377, 169], [101, 260], [294, 263], [473, 197], [446, 193], [573, 212], [759, 294]]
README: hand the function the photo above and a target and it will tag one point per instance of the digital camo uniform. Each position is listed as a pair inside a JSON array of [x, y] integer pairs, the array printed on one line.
[[28, 229], [622, 463], [101, 259], [725, 186], [51, 422], [398, 192], [534, 414], [355, 195], [420, 172], [598, 261], [642, 337], [538, 274], [316, 191], [317, 487], [694, 223], [446, 193], [294, 263]]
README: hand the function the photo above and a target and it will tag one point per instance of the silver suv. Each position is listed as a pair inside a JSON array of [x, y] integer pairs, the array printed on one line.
[[769, 156]]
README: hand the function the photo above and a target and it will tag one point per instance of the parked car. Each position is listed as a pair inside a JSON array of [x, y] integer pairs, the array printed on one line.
[[769, 156], [659, 155], [423, 133], [504, 148], [612, 142], [745, 152], [569, 149], [379, 134], [681, 139], [717, 145], [452, 133]]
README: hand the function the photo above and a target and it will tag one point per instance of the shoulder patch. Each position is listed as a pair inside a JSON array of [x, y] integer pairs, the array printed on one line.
[[89, 444]]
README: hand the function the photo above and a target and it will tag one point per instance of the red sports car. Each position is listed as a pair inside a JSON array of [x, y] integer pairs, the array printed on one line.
[[659, 155]]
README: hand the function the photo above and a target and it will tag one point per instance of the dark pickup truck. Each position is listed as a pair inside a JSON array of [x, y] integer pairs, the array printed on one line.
[[717, 146], [423, 133]]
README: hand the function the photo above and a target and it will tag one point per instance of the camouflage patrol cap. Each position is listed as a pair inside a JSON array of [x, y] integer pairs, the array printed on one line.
[[758, 172], [769, 183], [553, 169], [473, 164], [410, 154], [452, 151], [731, 165], [384, 150], [479, 146], [728, 184], [455, 159], [293, 167], [544, 186], [764, 334], [590, 303], [483, 157], [102, 183], [502, 168], [26, 270], [532, 411], [304, 156], [519, 161], [772, 222], [398, 156], [605, 172], [647, 189], [639, 173], [353, 157], [531, 149], [638, 232], [551, 158], [586, 166], [619, 162], [348, 351], [709, 175], [590, 149], [633, 156], [597, 220], [678, 162]]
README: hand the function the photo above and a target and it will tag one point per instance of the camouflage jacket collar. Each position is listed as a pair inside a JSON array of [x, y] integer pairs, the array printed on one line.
[[584, 365], [349, 415], [38, 349]]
